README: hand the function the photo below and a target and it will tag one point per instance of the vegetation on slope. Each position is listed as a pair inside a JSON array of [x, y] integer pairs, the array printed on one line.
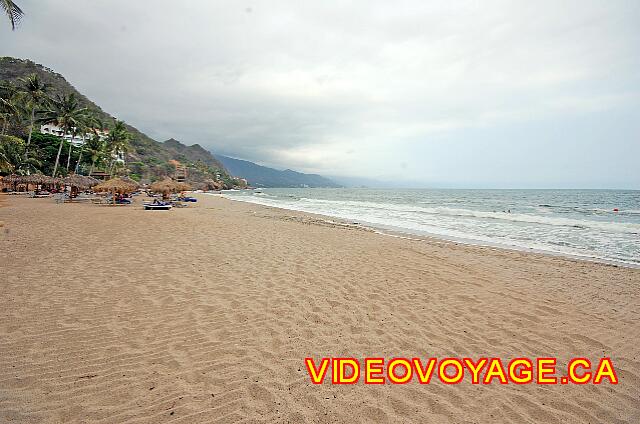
[[22, 110]]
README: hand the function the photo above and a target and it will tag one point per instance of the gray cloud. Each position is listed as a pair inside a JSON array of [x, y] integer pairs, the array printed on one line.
[[364, 88]]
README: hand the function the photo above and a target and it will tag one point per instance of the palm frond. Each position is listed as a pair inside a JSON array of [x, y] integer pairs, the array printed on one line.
[[13, 11]]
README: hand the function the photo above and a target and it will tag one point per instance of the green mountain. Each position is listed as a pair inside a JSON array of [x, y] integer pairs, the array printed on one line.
[[262, 176], [148, 158], [193, 153]]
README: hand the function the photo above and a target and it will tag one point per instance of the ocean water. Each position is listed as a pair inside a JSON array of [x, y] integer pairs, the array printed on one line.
[[579, 223]]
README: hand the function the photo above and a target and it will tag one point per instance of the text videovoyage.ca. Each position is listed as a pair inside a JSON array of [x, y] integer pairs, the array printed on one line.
[[460, 370]]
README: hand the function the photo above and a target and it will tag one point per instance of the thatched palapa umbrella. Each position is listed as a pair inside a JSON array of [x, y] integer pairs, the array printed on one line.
[[169, 186], [116, 186], [13, 180], [79, 182], [37, 179], [8, 180]]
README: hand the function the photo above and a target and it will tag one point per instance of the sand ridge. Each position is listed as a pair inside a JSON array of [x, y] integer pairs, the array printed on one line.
[[206, 314]]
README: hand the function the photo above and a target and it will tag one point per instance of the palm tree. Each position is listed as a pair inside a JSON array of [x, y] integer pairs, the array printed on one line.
[[95, 126], [13, 11], [75, 131], [34, 94], [8, 107], [84, 126], [96, 149], [118, 141], [12, 160], [67, 114]]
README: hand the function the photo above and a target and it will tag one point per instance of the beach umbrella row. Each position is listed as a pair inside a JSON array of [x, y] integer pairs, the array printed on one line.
[[29, 179], [73, 180], [79, 181]]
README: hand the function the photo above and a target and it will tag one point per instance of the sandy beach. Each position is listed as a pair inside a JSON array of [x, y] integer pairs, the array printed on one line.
[[205, 314]]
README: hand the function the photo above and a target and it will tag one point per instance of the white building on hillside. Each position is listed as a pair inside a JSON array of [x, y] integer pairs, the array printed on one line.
[[78, 140]]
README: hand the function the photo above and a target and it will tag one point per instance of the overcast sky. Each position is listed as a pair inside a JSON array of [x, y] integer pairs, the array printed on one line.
[[471, 94]]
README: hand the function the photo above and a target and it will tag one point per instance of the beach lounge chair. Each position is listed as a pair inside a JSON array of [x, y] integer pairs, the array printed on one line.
[[157, 206], [61, 197], [41, 195], [187, 199]]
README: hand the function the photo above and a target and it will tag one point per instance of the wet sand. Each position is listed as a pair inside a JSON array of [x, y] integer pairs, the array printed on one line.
[[205, 314]]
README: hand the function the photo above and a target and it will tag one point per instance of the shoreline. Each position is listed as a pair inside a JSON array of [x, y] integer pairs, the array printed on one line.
[[392, 231], [117, 314]]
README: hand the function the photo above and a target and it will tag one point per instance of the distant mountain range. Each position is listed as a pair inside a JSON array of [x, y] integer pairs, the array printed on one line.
[[262, 176], [149, 159]]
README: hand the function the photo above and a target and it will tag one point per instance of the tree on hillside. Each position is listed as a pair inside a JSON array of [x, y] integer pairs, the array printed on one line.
[[44, 148], [79, 129], [118, 142], [96, 149], [9, 110], [12, 160], [93, 144], [85, 126], [91, 131], [13, 11], [34, 95], [66, 113]]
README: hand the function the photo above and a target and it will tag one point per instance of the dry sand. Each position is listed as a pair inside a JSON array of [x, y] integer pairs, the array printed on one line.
[[205, 314]]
